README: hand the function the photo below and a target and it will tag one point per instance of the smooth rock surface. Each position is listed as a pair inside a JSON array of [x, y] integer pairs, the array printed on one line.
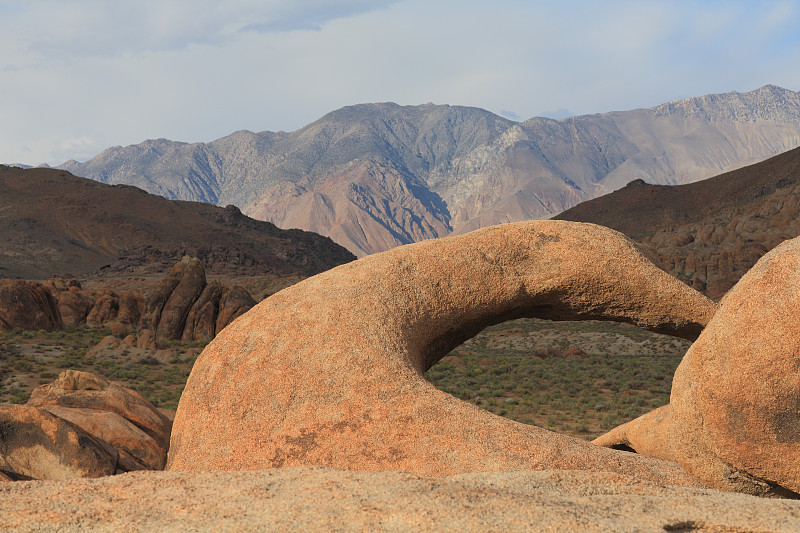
[[319, 499], [734, 415], [330, 371]]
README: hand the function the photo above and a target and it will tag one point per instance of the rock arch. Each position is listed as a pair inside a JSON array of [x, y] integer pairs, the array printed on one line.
[[329, 371]]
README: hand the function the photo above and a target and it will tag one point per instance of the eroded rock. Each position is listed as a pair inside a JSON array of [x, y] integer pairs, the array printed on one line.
[[330, 371], [734, 418], [84, 391], [35, 444], [27, 305]]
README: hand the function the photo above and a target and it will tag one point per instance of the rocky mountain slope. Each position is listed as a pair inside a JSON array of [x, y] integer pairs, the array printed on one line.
[[53, 223], [374, 176], [711, 232]]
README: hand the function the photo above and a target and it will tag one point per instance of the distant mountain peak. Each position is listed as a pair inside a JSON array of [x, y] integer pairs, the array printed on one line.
[[376, 175], [769, 102]]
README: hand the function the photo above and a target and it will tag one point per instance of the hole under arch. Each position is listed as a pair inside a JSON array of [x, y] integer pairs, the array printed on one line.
[[576, 378]]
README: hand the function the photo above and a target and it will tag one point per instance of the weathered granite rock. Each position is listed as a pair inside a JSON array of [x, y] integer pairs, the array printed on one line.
[[82, 390], [202, 317], [137, 449], [235, 302], [192, 281], [330, 371], [320, 499], [74, 304], [734, 415], [105, 308], [130, 306], [124, 307], [35, 444], [27, 305], [146, 340]]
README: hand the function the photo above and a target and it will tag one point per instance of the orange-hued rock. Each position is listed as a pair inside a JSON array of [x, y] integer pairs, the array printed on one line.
[[330, 371], [192, 281], [4, 477], [27, 305], [235, 302], [35, 444], [137, 449], [321, 499], [74, 304], [109, 306], [734, 418], [83, 390], [202, 318], [146, 340], [650, 434]]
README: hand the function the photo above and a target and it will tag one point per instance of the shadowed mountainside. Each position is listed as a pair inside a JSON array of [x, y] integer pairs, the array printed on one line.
[[711, 232], [53, 223], [373, 176]]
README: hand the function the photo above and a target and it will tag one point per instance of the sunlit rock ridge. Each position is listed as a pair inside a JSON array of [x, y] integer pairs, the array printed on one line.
[[373, 176]]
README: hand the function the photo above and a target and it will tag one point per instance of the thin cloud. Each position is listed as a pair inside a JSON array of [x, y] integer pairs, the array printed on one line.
[[83, 75], [53, 29]]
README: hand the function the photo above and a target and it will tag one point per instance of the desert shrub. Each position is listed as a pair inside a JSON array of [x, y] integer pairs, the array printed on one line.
[[23, 366]]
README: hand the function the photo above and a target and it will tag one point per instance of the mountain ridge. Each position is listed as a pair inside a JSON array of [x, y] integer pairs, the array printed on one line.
[[710, 232], [53, 223], [372, 176]]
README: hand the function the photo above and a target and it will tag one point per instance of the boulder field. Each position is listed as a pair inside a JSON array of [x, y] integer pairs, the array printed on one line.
[[330, 371], [183, 306]]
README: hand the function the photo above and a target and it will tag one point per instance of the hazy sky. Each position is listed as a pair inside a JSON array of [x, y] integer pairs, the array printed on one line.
[[78, 76]]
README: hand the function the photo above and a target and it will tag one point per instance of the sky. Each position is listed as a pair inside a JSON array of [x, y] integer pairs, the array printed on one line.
[[79, 76]]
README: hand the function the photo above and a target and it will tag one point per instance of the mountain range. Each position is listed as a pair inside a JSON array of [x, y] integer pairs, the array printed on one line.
[[56, 224], [374, 176]]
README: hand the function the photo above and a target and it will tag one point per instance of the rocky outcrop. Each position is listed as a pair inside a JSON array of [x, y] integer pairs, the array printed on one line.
[[27, 305], [95, 307], [73, 302], [115, 414], [235, 302], [733, 419], [124, 307], [35, 444], [330, 371], [184, 306]]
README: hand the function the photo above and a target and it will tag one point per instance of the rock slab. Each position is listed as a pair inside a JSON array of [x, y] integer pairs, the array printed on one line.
[[320, 499]]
